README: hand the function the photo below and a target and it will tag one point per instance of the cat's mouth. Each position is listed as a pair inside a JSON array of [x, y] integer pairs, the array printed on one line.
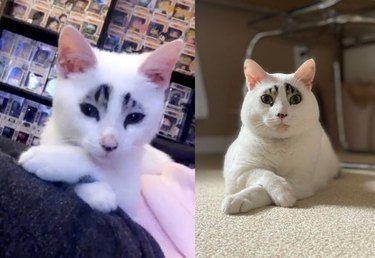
[[282, 127]]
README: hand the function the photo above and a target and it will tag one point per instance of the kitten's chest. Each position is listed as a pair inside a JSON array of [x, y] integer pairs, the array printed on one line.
[[120, 174], [124, 180]]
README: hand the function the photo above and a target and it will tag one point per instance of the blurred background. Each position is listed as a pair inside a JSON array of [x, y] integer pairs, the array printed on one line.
[[339, 35]]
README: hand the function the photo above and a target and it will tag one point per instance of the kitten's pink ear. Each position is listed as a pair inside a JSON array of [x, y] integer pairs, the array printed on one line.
[[253, 72], [75, 54], [306, 73], [158, 65]]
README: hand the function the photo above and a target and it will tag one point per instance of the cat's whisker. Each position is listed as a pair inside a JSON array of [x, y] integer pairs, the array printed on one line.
[[259, 125]]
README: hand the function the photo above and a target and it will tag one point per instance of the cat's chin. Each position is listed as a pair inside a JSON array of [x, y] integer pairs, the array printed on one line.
[[281, 128], [276, 131]]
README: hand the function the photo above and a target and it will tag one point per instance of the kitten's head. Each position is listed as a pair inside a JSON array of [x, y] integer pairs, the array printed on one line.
[[279, 105], [110, 103]]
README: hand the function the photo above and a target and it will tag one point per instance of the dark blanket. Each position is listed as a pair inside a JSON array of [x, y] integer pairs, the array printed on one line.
[[44, 219]]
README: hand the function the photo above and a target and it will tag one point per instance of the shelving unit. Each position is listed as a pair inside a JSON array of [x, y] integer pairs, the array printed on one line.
[[26, 94], [28, 30], [181, 152]]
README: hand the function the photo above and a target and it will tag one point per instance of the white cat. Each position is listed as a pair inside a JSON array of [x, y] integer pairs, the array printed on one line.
[[282, 152], [106, 110]]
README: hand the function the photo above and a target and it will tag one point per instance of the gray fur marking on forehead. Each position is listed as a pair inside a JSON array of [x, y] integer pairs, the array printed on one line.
[[274, 90], [100, 96], [289, 90], [130, 103]]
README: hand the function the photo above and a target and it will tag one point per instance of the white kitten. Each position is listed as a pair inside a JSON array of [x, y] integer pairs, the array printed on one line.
[[281, 153], [106, 110]]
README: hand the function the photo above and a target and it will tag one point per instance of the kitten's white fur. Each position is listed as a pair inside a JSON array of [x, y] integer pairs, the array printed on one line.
[[70, 143], [274, 163]]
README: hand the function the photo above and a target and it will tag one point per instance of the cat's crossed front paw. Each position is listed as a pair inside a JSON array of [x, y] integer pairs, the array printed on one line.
[[282, 193], [233, 204]]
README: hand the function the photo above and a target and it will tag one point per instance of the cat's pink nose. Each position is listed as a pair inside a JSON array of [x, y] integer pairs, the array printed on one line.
[[109, 143], [281, 115]]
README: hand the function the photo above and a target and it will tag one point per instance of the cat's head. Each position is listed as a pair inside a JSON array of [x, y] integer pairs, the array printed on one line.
[[110, 103], [279, 105]]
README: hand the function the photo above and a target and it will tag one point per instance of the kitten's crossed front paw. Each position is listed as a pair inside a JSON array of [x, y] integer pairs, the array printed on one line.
[[97, 195], [282, 193], [235, 203]]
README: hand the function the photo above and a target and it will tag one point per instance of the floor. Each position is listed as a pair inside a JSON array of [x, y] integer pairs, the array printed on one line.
[[338, 221]]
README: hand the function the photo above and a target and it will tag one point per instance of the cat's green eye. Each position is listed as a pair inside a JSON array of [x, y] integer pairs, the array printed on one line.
[[295, 99], [133, 118], [267, 99], [89, 110]]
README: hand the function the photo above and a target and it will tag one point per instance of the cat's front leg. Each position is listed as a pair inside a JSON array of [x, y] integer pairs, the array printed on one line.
[[57, 162], [250, 198], [262, 187], [278, 188]]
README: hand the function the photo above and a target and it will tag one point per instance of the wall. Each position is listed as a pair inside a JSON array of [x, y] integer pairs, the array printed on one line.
[[222, 39]]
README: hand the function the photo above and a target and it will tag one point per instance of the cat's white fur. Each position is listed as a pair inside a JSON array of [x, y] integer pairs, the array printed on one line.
[[70, 143], [274, 161]]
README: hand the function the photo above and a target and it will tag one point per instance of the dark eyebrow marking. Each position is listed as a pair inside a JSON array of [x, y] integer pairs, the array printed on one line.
[[102, 90], [289, 89], [273, 90], [129, 103], [97, 95], [126, 98], [106, 92]]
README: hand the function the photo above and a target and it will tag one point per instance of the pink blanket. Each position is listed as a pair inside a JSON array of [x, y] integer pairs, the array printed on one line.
[[167, 209]]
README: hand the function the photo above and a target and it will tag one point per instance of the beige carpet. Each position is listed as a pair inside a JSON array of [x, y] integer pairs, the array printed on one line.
[[339, 221]]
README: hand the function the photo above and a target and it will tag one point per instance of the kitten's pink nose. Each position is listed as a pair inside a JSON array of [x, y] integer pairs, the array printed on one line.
[[109, 143], [281, 115]]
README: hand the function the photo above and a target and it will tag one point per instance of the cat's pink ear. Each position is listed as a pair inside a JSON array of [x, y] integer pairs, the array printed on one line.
[[253, 72], [75, 54], [158, 65], [306, 73]]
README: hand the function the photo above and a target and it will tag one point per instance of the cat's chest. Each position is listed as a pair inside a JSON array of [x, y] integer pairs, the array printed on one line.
[[284, 156]]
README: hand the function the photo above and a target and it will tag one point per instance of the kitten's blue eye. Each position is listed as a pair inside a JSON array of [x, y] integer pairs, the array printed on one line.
[[133, 118], [267, 99], [295, 99], [89, 110]]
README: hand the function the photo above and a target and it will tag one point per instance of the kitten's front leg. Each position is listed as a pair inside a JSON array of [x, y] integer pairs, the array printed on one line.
[[57, 162], [98, 195]]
